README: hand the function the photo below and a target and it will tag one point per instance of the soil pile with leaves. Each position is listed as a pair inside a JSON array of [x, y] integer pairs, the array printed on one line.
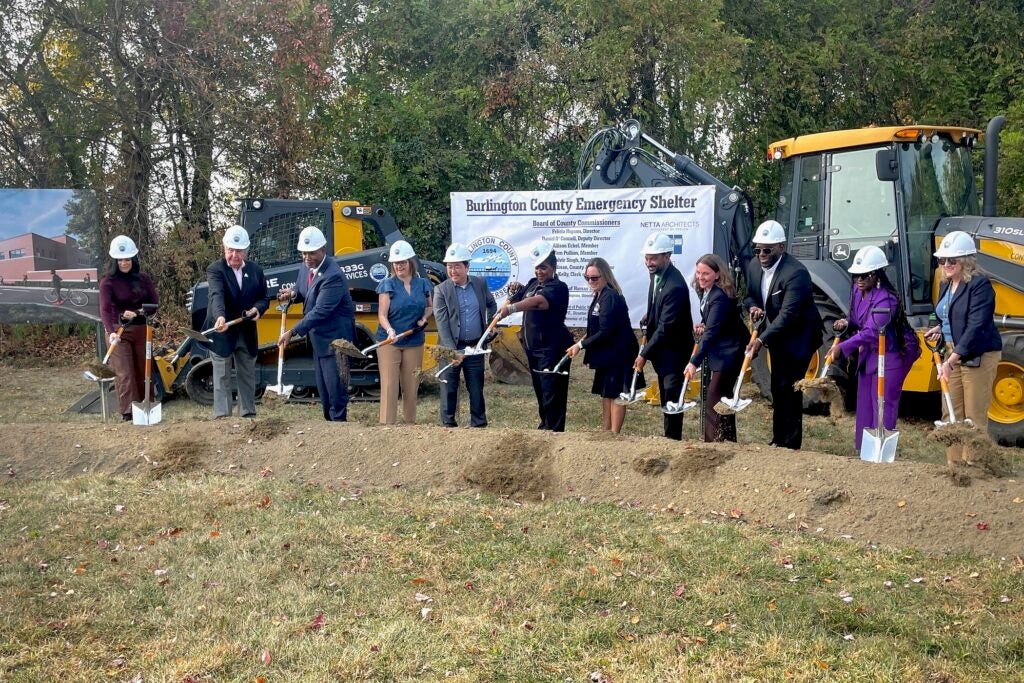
[[904, 504]]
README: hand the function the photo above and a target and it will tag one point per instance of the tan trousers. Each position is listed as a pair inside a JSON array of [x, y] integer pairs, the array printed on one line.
[[399, 367], [971, 391]]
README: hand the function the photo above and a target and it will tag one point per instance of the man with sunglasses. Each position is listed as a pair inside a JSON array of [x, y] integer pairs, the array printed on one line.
[[779, 292]]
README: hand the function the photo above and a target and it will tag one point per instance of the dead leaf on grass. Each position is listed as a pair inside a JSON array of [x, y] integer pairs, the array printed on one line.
[[264, 502], [265, 657], [317, 623]]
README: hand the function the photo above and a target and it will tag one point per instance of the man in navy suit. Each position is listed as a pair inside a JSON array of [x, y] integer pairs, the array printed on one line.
[[327, 314], [779, 290], [669, 326], [237, 289]]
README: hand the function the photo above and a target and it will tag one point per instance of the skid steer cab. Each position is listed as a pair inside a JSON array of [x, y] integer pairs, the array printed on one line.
[[274, 226]]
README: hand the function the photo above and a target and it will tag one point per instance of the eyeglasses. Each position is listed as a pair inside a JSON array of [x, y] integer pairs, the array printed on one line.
[[951, 261], [863, 276], [591, 278], [763, 250]]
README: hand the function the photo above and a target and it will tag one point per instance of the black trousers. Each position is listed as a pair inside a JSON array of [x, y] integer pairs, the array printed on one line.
[[670, 383], [787, 402], [472, 368], [552, 390]]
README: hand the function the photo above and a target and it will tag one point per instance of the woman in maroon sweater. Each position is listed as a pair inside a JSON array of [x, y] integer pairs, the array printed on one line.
[[123, 292]]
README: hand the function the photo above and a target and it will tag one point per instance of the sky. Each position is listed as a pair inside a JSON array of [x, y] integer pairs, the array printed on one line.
[[38, 211]]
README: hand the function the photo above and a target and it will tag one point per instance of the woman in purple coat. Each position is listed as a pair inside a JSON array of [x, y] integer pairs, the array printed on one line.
[[872, 290]]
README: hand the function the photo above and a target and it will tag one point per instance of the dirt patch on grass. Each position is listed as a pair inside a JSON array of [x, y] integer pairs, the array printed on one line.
[[267, 428], [517, 468], [650, 466], [177, 456], [906, 504], [699, 460]]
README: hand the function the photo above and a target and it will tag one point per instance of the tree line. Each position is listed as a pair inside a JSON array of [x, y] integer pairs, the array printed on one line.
[[171, 109]]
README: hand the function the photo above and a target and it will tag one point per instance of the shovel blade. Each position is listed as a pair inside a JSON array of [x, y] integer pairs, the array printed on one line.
[[735, 404], [626, 399], [876, 449], [673, 408], [282, 390], [143, 416], [198, 336]]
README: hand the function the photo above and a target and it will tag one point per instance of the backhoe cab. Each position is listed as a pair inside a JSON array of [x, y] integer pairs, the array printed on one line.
[[902, 188]]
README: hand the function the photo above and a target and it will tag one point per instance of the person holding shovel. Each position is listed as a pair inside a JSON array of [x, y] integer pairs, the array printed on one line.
[[124, 290], [238, 289], [966, 310], [544, 302], [872, 291], [610, 344], [779, 290], [327, 314], [403, 305], [722, 336], [463, 307], [669, 326]]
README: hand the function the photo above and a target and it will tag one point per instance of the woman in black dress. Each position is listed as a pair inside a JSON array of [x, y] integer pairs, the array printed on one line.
[[610, 343]]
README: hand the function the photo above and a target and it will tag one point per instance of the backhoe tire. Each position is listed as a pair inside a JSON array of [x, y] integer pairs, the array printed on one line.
[[199, 383], [1006, 412]]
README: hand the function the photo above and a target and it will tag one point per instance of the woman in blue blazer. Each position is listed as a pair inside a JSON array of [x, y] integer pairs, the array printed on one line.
[[722, 339], [966, 310]]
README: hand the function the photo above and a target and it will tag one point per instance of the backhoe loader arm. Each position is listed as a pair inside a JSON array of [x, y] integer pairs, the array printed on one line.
[[615, 157]]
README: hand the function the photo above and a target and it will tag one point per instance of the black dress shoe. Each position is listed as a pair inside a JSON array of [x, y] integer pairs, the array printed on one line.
[[126, 417]]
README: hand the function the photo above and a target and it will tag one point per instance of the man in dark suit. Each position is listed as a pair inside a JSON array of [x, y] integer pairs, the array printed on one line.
[[463, 306], [779, 290], [237, 289], [327, 314], [669, 326]]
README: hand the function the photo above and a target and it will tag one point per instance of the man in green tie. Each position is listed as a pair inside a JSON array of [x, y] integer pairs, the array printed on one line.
[[669, 326]]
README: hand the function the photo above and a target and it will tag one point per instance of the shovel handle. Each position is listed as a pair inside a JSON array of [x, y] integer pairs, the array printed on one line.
[[828, 356], [110, 349]]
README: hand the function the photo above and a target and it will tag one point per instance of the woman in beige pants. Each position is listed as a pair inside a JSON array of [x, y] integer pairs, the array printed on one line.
[[404, 305], [966, 307]]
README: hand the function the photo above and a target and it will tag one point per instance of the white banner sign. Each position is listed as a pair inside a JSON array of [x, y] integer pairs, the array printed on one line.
[[499, 227]]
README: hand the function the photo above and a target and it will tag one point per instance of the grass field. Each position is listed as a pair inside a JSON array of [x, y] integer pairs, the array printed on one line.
[[198, 577]]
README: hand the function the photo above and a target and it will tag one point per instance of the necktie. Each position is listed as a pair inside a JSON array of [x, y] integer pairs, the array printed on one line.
[[657, 283], [309, 280]]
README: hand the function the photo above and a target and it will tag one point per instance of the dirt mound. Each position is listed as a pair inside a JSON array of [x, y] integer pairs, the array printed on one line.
[[700, 459], [176, 456], [517, 467], [267, 428], [650, 466], [906, 504]]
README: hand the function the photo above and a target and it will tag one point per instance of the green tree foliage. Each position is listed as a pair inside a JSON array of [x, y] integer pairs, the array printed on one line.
[[170, 110]]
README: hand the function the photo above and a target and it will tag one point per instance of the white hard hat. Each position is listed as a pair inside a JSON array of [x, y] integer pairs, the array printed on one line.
[[311, 239], [122, 246], [457, 253], [236, 237], [956, 243], [658, 243], [539, 252], [868, 260], [401, 251], [770, 232]]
